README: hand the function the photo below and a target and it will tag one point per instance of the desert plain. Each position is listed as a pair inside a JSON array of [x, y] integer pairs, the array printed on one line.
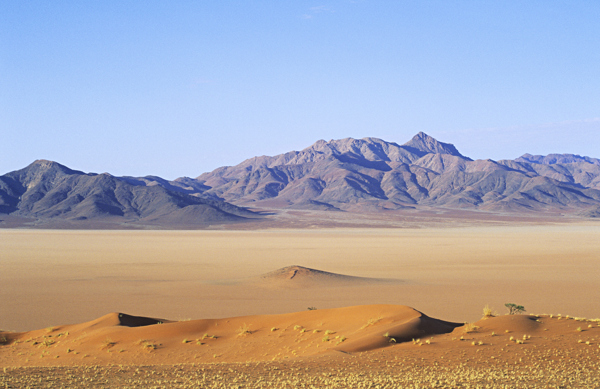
[[230, 308]]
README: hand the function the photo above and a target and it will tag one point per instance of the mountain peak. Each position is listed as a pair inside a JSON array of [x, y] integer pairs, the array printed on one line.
[[43, 165], [429, 145]]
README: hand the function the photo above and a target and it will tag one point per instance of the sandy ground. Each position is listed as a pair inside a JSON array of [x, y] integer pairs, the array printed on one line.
[[52, 279], [59, 277], [385, 346]]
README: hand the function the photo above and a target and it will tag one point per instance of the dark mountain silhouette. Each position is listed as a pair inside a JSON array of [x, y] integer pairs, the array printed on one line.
[[48, 190]]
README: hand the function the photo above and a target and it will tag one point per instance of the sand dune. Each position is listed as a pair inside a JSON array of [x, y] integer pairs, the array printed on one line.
[[302, 277], [343, 347], [51, 277], [259, 326], [126, 339]]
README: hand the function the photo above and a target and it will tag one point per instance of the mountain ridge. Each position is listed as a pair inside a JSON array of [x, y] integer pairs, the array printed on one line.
[[351, 175], [371, 174], [47, 190]]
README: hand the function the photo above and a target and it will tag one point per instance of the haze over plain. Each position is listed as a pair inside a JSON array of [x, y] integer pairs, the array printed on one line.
[[181, 89]]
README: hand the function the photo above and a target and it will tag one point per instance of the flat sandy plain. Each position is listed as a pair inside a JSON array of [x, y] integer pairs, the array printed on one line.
[[51, 279]]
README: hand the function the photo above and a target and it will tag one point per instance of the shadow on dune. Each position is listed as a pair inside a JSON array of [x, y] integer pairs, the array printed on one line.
[[137, 321]]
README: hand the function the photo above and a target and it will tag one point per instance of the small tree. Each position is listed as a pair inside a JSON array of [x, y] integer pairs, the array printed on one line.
[[514, 309]]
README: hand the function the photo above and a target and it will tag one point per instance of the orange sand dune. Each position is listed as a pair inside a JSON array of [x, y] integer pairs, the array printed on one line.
[[126, 339], [391, 345]]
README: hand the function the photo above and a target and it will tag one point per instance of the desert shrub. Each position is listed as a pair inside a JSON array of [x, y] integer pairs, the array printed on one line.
[[244, 330], [470, 327], [514, 309], [148, 345], [488, 312]]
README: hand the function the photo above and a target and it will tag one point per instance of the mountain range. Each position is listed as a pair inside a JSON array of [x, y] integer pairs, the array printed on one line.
[[352, 175]]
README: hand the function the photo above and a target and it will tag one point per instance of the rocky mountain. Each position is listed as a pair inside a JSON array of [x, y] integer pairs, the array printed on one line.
[[555, 159], [371, 174], [47, 190], [355, 175]]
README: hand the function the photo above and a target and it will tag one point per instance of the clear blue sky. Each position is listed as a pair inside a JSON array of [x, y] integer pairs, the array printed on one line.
[[178, 88]]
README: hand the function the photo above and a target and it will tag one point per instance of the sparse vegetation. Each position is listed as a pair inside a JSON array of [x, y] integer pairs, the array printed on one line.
[[470, 327], [371, 322], [488, 312], [47, 342], [107, 344], [244, 330], [514, 309], [147, 345]]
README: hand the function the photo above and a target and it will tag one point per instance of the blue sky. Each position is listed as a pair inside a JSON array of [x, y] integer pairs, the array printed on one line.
[[180, 88]]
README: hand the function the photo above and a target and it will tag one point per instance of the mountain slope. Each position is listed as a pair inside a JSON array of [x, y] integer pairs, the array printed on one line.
[[47, 190], [355, 175], [371, 174]]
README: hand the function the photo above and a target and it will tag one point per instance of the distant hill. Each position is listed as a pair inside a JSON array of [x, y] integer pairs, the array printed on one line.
[[47, 190], [351, 175], [556, 159]]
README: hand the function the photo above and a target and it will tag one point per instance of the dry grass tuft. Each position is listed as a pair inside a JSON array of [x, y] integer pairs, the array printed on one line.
[[371, 322], [488, 312], [244, 330], [147, 345], [107, 344], [47, 342], [470, 327]]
